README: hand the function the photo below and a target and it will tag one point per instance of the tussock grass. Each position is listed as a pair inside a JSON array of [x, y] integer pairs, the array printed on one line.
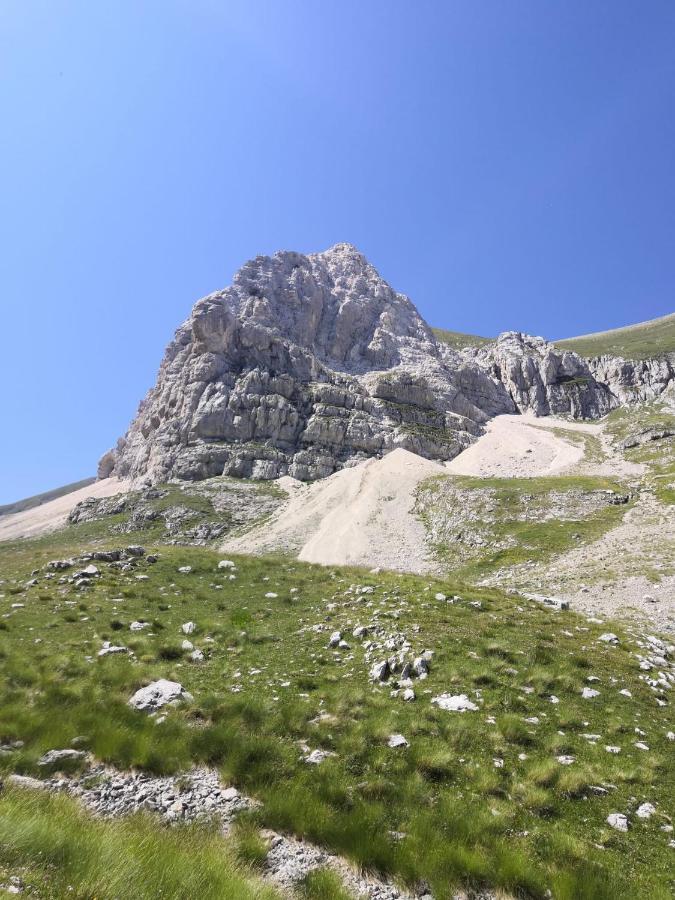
[[249, 846], [322, 884], [525, 827], [63, 852]]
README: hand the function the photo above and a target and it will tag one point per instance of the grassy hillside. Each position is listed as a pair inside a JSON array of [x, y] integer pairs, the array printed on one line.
[[457, 340], [513, 794], [39, 499], [63, 852], [642, 341], [477, 526]]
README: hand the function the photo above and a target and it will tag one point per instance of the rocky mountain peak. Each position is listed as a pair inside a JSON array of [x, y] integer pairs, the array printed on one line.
[[311, 362], [333, 304]]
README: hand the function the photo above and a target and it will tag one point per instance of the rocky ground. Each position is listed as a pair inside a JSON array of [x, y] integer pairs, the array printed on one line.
[[628, 572], [198, 795]]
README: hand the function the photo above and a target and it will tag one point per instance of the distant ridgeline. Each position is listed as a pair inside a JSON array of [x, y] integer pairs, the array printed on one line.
[[39, 499], [646, 340]]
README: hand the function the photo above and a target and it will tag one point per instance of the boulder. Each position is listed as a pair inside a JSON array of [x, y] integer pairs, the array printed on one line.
[[618, 821], [158, 694], [54, 758], [454, 703]]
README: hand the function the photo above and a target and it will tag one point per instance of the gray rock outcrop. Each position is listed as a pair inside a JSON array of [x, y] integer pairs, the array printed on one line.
[[305, 364], [545, 380], [632, 381], [157, 694], [309, 363]]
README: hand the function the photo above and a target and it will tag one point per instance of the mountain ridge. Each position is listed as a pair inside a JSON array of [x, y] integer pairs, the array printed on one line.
[[647, 339], [308, 363]]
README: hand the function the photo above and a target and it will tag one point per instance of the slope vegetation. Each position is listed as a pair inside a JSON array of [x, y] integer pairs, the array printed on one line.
[[458, 340], [563, 730], [643, 341]]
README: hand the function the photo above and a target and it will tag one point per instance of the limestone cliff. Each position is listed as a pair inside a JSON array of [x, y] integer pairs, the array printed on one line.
[[309, 363]]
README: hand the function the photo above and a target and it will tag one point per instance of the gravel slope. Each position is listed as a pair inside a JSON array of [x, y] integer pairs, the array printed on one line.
[[519, 447], [52, 515], [358, 516]]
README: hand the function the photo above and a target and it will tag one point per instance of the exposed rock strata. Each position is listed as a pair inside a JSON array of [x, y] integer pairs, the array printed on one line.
[[304, 365], [541, 378], [631, 381], [307, 364]]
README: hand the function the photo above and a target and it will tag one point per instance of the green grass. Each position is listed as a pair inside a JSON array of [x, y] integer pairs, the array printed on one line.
[[60, 851], [642, 341], [457, 340], [525, 828], [510, 517], [645, 340], [323, 884], [249, 846], [658, 457]]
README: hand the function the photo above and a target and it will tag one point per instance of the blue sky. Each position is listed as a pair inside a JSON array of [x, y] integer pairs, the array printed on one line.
[[506, 164]]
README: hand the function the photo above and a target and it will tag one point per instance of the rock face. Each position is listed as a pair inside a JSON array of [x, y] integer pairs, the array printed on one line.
[[631, 381], [545, 380], [307, 364], [304, 365]]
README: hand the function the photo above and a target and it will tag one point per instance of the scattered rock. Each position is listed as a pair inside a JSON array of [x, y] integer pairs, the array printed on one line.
[[157, 694], [589, 693], [645, 811], [609, 638], [25, 781], [54, 758], [379, 671], [316, 757], [454, 703], [107, 649], [618, 821]]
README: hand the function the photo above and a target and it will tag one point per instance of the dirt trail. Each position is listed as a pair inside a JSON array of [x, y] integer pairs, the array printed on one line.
[[358, 516], [54, 514]]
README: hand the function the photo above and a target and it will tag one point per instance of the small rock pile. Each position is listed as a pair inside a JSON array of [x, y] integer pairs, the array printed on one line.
[[188, 797]]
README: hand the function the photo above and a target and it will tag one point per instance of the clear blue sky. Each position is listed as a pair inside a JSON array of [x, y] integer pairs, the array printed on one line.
[[506, 164]]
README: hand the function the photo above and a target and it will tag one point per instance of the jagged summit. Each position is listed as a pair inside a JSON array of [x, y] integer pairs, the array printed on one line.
[[308, 363], [333, 303]]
